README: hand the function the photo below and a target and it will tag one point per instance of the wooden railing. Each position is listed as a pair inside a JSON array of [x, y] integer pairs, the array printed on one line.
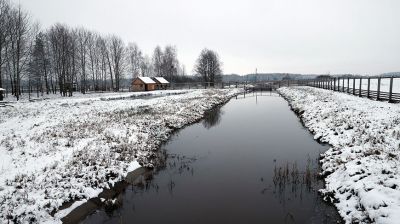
[[378, 88]]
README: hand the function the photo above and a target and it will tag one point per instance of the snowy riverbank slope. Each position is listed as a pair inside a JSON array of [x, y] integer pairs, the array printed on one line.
[[362, 168], [64, 149]]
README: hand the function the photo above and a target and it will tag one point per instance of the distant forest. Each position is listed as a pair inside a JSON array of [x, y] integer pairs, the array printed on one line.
[[283, 76]]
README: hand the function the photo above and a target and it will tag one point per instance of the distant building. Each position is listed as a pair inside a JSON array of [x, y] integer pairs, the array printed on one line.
[[161, 83], [143, 84]]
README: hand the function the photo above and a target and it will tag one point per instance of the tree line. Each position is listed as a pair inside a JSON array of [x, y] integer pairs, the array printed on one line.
[[63, 59]]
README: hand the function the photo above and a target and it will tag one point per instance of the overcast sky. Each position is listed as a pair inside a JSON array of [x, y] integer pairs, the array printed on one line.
[[297, 36]]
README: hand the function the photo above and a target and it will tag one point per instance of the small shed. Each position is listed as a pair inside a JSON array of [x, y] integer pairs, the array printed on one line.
[[143, 84], [161, 83]]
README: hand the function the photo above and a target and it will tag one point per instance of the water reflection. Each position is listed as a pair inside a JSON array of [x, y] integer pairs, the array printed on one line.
[[212, 117]]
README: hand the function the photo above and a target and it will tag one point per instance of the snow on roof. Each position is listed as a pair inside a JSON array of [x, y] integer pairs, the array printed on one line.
[[161, 80], [147, 80]]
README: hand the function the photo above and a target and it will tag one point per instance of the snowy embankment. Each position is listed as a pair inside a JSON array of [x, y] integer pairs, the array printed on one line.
[[362, 168], [67, 149]]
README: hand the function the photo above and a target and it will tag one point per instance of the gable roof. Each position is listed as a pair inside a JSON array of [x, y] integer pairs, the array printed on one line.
[[146, 80], [160, 80]]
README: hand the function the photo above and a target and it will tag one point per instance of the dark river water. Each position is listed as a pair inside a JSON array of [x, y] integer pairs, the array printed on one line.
[[249, 161]]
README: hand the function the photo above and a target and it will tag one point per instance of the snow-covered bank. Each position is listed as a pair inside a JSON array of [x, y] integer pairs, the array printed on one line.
[[65, 149], [362, 168]]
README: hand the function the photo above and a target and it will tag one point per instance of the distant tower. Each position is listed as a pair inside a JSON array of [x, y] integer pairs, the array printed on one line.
[[256, 75]]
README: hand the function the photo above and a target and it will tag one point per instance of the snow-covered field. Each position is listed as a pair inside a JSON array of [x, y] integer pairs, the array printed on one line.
[[77, 95], [65, 149], [362, 168]]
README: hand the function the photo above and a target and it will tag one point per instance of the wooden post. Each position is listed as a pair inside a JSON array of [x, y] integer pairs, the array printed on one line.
[[369, 87], [391, 90], [354, 86], [348, 85], [379, 89], [343, 85], [359, 91], [338, 84], [334, 84]]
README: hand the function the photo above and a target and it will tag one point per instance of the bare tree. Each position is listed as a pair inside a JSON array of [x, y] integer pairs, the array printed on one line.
[[158, 61], [170, 63], [83, 37], [63, 51], [19, 47], [146, 67], [95, 45], [4, 37], [117, 53], [38, 65], [134, 58], [208, 66]]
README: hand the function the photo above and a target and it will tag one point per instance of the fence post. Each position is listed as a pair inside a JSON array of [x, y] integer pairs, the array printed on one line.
[[379, 89], [343, 85], [390, 89], [359, 91], [348, 85], [333, 89], [338, 84], [354, 86], [369, 87]]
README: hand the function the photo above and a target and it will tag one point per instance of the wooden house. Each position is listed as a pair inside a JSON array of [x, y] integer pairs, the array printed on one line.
[[143, 84], [161, 83]]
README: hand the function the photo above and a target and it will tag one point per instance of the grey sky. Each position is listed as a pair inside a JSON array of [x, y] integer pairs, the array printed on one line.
[[299, 36]]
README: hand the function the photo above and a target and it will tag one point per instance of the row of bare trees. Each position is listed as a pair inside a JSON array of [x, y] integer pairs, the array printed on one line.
[[62, 59], [15, 43]]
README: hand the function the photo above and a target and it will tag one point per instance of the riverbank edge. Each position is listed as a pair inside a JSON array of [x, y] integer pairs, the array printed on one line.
[[80, 212], [298, 113]]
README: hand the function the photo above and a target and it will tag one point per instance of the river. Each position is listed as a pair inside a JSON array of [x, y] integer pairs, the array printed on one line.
[[249, 161]]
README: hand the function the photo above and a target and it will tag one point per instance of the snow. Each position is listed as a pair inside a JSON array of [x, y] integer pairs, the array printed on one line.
[[147, 80], [161, 80], [69, 149], [362, 168], [103, 95]]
